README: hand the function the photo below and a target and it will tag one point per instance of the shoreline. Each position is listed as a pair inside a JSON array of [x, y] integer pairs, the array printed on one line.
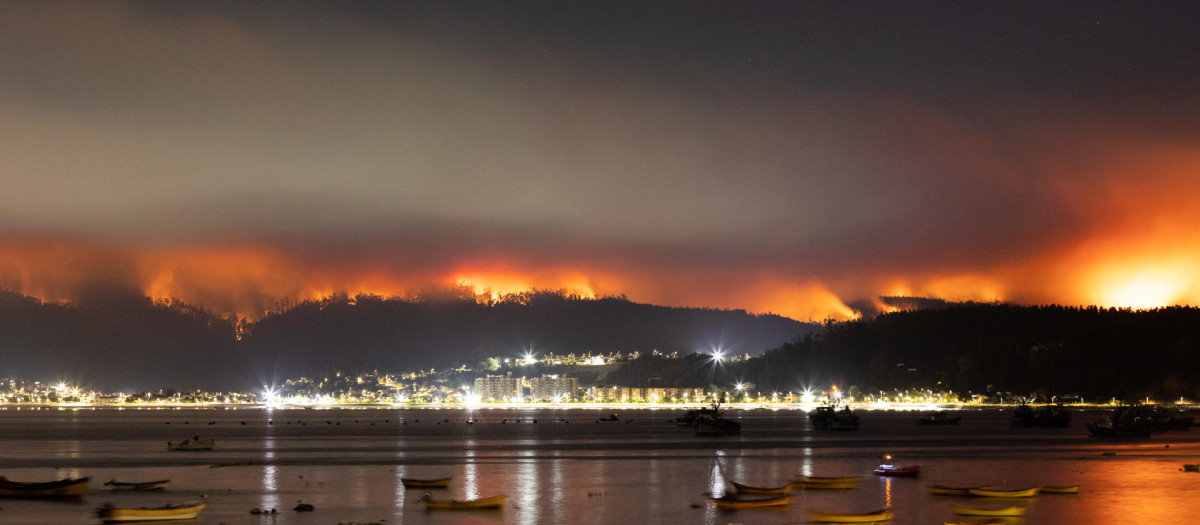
[[805, 407]]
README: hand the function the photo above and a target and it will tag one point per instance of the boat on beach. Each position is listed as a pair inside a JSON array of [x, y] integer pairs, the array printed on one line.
[[180, 511], [425, 483], [732, 501], [192, 443], [490, 503], [835, 517], [752, 489], [992, 492], [137, 485], [63, 488], [1009, 512]]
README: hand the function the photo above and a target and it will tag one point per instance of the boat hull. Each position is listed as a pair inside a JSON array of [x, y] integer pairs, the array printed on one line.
[[942, 490], [751, 489], [192, 444], [831, 517], [738, 503], [1059, 490], [178, 512], [492, 503], [984, 492], [64, 488], [138, 486], [964, 510], [425, 483]]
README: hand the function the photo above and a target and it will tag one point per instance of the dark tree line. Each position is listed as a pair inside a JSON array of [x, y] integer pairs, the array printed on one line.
[[118, 339], [979, 347]]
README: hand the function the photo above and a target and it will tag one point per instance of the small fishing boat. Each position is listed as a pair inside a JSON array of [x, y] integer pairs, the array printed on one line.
[[939, 418], [1191, 467], [964, 510], [897, 471], [943, 490], [992, 492], [827, 483], [137, 485], [194, 443], [63, 488], [180, 511], [834, 517], [830, 417], [752, 489], [491, 503], [1058, 490], [735, 502], [425, 483]]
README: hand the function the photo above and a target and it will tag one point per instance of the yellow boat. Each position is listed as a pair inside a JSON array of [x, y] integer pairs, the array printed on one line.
[[827, 483], [833, 517], [734, 502], [751, 489], [492, 503], [426, 483], [63, 488], [992, 492], [181, 511], [1059, 490], [976, 511], [943, 490]]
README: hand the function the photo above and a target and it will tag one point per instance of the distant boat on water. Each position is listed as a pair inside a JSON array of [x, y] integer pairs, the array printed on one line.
[[137, 485], [1123, 422], [830, 417], [193, 443], [939, 418], [1047, 416]]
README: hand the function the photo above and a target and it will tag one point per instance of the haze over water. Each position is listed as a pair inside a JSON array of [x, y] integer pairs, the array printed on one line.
[[569, 468]]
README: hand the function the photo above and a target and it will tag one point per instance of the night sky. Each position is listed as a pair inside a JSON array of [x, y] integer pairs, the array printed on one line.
[[790, 157]]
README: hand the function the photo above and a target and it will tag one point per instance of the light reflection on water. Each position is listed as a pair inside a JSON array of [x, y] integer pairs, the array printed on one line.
[[643, 472]]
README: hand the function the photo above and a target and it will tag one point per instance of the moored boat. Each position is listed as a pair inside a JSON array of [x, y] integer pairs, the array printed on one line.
[[829, 417], [752, 489], [835, 517], [63, 488], [992, 492], [897, 471], [137, 485], [180, 511], [490, 503], [1047, 416], [425, 483], [193, 443], [735, 502], [827, 483], [939, 418], [1058, 490], [943, 490], [965, 510]]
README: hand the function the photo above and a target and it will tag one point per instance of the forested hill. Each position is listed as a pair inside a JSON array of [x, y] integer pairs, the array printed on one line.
[[1021, 349], [118, 339], [365, 332]]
